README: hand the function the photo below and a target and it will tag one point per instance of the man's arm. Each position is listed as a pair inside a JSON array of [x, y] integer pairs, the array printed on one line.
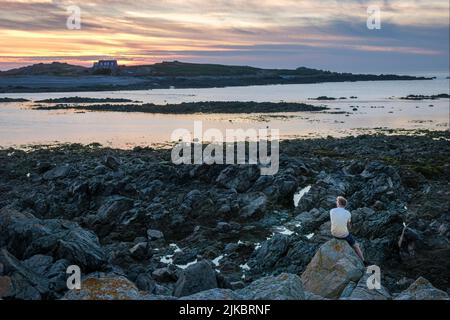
[[349, 224]]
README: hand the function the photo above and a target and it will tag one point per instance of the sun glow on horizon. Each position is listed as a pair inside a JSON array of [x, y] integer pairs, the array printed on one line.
[[267, 32]]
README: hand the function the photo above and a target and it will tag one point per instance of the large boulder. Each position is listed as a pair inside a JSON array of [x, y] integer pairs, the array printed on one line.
[[422, 289], [332, 268], [195, 278], [285, 286], [24, 235]]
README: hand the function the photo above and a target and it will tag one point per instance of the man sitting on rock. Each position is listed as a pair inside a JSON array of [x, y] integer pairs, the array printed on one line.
[[341, 222]]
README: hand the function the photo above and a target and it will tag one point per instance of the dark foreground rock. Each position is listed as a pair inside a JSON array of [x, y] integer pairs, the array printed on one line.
[[22, 282], [198, 277], [224, 231], [25, 235], [283, 287], [422, 289]]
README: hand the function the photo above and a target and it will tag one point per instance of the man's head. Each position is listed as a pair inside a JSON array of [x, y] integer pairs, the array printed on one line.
[[341, 202]]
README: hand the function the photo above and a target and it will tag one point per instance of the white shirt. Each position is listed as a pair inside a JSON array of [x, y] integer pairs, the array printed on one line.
[[339, 219]]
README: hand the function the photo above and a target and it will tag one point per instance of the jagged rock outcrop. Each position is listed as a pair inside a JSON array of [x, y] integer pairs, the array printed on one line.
[[332, 268], [422, 289], [25, 235], [361, 291], [21, 282]]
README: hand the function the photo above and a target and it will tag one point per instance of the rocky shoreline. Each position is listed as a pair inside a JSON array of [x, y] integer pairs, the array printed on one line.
[[140, 227]]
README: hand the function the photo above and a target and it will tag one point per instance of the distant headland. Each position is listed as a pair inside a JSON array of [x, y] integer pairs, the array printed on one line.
[[109, 75]]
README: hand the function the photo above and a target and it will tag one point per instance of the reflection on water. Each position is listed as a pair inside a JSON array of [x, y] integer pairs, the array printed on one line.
[[374, 108]]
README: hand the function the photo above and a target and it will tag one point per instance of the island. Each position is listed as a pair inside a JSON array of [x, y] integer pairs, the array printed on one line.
[[109, 76]]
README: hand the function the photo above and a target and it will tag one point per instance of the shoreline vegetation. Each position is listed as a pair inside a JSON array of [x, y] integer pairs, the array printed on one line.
[[61, 77], [13, 100], [426, 97], [166, 231], [209, 107]]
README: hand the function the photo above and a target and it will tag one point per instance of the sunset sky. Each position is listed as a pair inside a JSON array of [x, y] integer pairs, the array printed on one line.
[[414, 35]]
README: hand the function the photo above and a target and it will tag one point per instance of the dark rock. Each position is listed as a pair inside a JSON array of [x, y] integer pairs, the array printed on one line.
[[268, 254], [112, 162], [371, 224], [57, 275], [153, 235], [60, 172], [195, 278], [25, 283], [412, 179], [227, 202], [196, 204], [25, 235], [354, 168], [38, 263], [282, 287], [422, 289], [185, 256], [223, 226], [100, 169], [223, 282], [214, 294], [110, 214], [140, 251], [164, 275], [152, 190], [311, 220], [145, 282], [164, 291], [238, 177], [362, 292], [298, 255], [253, 205], [43, 167]]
